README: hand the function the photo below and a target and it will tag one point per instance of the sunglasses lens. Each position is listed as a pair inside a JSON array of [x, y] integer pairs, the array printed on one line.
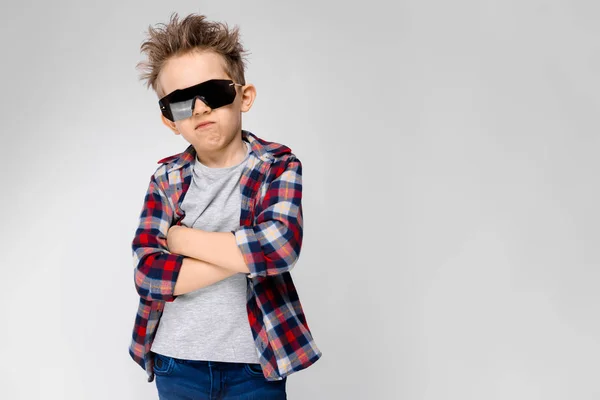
[[214, 93], [181, 109], [219, 93]]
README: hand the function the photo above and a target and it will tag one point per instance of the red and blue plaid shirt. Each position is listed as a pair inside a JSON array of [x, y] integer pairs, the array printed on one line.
[[269, 237]]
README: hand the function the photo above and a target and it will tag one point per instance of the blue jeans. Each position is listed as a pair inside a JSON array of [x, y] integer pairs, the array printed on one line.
[[178, 379]]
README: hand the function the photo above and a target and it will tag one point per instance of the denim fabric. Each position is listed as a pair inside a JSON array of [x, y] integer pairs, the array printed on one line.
[[178, 379]]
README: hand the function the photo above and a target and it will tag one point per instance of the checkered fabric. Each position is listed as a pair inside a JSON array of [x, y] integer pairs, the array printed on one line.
[[269, 237]]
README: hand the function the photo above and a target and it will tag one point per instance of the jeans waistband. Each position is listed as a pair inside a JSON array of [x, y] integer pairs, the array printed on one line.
[[213, 364]]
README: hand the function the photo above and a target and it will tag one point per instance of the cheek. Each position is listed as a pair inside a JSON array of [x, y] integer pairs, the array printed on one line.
[[228, 115], [185, 125]]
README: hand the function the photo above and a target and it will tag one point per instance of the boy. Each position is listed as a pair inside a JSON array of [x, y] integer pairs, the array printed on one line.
[[219, 232]]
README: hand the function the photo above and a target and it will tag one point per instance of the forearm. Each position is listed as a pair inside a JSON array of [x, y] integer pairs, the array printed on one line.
[[217, 248], [196, 274]]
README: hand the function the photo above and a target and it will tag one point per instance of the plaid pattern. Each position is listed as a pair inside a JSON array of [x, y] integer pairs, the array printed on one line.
[[269, 237]]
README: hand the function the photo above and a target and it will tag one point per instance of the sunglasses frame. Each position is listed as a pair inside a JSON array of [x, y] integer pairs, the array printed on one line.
[[164, 103]]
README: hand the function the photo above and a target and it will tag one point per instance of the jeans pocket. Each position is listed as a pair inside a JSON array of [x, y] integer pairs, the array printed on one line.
[[254, 370], [163, 365]]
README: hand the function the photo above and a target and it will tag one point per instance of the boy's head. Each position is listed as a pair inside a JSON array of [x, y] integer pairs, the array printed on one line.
[[185, 53]]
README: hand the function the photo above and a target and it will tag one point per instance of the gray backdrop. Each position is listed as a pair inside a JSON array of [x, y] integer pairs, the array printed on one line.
[[450, 191]]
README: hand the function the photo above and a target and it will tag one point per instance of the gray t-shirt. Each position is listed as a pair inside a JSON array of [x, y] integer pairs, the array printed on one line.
[[210, 323]]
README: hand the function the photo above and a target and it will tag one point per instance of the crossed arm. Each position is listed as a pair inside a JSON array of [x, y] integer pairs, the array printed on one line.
[[210, 257], [218, 248], [172, 260]]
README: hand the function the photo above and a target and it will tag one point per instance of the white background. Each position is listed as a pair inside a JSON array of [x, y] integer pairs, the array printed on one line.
[[450, 154]]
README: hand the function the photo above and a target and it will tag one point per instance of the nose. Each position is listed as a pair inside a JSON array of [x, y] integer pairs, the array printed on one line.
[[199, 106]]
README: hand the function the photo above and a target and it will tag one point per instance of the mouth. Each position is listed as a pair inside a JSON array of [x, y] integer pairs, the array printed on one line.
[[204, 124]]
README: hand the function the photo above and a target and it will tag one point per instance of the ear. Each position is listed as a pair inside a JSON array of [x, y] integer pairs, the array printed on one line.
[[169, 124], [248, 95]]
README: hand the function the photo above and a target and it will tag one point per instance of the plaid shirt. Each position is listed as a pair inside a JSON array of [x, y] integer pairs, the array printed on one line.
[[269, 237]]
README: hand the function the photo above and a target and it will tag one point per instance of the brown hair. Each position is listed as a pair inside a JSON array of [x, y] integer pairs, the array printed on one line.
[[193, 33]]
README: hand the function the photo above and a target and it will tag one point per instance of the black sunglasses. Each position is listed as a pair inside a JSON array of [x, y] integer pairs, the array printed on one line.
[[215, 93]]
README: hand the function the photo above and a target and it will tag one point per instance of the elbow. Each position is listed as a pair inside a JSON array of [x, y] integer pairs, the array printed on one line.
[[268, 269], [269, 252], [155, 276], [142, 285], [149, 290], [287, 267], [275, 263]]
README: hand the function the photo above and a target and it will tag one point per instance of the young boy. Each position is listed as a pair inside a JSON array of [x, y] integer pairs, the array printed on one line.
[[219, 231]]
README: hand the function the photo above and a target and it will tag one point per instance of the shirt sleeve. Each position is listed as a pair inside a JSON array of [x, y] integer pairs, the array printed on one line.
[[272, 246], [156, 269]]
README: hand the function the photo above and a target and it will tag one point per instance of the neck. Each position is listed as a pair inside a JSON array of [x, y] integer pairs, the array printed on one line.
[[230, 155]]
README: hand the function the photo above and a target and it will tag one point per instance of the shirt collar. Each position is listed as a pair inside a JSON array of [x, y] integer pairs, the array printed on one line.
[[265, 151]]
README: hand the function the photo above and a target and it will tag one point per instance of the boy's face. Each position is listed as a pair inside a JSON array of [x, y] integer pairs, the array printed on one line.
[[226, 121]]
